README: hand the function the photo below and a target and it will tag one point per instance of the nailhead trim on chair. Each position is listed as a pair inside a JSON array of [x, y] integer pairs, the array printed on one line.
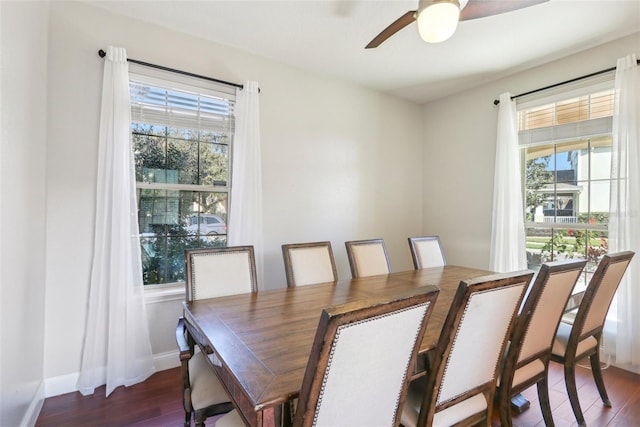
[[194, 287], [333, 348], [464, 315]]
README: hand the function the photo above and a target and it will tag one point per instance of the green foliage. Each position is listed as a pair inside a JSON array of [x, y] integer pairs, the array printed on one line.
[[556, 245], [568, 244], [580, 240], [201, 158], [176, 156], [594, 218], [163, 257], [536, 176]]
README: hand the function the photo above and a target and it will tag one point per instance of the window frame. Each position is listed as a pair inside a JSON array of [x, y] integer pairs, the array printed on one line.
[[557, 134], [158, 292]]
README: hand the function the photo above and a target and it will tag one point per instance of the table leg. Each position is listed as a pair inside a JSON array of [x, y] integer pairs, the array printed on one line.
[[272, 417]]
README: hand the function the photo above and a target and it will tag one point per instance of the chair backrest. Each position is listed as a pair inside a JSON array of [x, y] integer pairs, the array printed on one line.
[[309, 263], [217, 272], [361, 361], [597, 297], [471, 345], [367, 257], [426, 252], [538, 320]]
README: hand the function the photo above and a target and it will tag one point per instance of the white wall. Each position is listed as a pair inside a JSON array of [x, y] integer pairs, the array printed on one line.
[[22, 209], [459, 151], [340, 162]]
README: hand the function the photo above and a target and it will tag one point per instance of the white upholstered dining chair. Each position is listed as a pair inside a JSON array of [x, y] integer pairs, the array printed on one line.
[[581, 339], [368, 257], [426, 252], [527, 360], [460, 384], [210, 273], [343, 385], [309, 263], [217, 272]]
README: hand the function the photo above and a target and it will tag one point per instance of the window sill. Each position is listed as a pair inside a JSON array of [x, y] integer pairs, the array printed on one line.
[[162, 293]]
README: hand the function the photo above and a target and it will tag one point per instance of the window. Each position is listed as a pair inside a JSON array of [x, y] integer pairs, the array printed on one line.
[[182, 136], [566, 152]]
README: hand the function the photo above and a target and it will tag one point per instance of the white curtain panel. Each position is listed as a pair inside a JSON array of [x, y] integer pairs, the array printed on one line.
[[245, 218], [117, 348], [508, 252], [624, 216]]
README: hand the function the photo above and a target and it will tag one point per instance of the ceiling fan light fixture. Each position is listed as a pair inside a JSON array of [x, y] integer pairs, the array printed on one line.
[[438, 20]]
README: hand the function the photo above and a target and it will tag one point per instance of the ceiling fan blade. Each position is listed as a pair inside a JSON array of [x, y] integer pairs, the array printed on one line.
[[481, 8], [396, 26]]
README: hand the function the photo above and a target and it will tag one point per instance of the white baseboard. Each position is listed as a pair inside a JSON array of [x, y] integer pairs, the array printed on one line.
[[61, 384], [31, 416], [68, 383], [168, 360]]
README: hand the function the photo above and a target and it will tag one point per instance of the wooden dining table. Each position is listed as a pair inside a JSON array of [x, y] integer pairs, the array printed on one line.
[[259, 343]]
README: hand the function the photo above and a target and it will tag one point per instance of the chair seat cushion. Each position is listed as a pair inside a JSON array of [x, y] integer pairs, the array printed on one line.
[[528, 371], [562, 337], [206, 389], [458, 412], [450, 416], [230, 419]]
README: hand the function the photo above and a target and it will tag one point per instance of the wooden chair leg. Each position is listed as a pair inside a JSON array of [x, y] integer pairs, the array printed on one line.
[[504, 407], [200, 420], [505, 415], [186, 404], [597, 376], [545, 404], [572, 391]]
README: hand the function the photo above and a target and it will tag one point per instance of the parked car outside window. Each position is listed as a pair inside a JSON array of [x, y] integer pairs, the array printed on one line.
[[208, 225]]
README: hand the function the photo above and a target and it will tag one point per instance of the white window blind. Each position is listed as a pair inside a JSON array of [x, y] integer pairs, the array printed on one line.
[[163, 98], [587, 113], [566, 132], [179, 108]]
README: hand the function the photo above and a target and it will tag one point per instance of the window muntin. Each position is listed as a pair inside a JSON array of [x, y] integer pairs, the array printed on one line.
[[182, 147], [566, 168]]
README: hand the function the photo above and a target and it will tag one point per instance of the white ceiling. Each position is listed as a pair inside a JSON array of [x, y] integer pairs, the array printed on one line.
[[328, 36]]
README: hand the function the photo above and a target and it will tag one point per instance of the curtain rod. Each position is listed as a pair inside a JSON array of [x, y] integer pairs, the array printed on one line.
[[586, 76], [102, 54]]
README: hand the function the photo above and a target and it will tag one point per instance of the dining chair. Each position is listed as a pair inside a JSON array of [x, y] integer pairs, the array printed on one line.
[[221, 271], [309, 263], [460, 383], [368, 257], [426, 252], [527, 359], [342, 384], [203, 395], [210, 272], [581, 339]]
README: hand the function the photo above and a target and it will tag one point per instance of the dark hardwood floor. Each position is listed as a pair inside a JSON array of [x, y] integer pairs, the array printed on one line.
[[157, 403]]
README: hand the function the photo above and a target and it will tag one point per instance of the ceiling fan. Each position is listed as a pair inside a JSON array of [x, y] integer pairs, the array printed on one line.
[[438, 19]]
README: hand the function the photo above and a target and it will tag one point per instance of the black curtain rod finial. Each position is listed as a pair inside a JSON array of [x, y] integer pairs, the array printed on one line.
[[102, 53]]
